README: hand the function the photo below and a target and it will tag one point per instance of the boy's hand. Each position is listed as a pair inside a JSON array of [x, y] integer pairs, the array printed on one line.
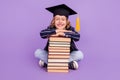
[[59, 34], [54, 35], [57, 31]]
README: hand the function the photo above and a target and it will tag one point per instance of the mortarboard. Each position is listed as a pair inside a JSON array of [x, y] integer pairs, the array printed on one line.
[[61, 10]]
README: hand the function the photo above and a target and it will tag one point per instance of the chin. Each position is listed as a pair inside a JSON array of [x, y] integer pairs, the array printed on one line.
[[60, 27]]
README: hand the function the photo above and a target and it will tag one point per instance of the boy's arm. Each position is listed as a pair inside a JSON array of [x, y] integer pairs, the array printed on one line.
[[73, 35], [47, 32]]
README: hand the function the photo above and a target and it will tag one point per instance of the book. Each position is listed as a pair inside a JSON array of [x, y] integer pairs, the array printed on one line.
[[61, 39], [59, 53], [58, 64], [60, 48], [58, 56], [57, 67], [60, 45], [58, 70], [58, 60], [59, 42]]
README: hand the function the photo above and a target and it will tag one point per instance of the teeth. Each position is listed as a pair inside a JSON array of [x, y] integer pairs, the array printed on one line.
[[59, 25]]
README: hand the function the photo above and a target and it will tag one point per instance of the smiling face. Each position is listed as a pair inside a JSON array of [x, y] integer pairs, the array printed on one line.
[[60, 22]]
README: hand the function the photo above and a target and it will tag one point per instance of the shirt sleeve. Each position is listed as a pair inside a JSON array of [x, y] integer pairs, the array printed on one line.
[[73, 35], [47, 32]]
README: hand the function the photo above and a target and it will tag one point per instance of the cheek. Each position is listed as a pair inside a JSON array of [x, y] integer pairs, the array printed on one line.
[[65, 23], [56, 22]]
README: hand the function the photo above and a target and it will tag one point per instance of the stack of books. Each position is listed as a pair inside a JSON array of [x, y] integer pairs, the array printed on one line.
[[59, 53]]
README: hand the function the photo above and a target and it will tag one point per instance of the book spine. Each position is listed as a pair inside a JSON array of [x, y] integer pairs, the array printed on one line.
[[58, 53], [58, 42], [53, 50], [58, 64], [60, 48], [60, 68], [58, 57], [59, 39], [49, 70], [60, 45], [58, 60]]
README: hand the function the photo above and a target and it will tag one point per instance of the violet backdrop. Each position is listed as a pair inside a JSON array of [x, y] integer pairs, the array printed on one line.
[[22, 20]]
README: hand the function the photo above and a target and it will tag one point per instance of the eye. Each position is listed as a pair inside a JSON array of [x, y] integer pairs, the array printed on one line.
[[63, 19], [56, 18]]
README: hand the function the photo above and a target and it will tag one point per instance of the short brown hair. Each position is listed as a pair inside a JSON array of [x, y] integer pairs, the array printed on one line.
[[52, 24]]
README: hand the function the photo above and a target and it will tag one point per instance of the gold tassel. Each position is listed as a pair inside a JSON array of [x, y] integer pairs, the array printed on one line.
[[77, 28]]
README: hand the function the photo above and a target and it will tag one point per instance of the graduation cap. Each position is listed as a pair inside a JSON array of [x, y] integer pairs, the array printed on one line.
[[64, 10], [61, 10]]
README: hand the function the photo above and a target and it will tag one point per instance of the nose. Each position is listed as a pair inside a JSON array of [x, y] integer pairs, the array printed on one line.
[[60, 21]]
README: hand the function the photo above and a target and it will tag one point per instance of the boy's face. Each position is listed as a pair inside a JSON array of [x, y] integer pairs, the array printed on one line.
[[60, 22]]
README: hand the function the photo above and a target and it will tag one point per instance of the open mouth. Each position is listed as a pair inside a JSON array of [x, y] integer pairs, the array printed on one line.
[[60, 25]]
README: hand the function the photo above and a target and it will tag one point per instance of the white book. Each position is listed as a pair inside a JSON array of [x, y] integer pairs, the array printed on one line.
[[60, 67], [58, 45], [59, 53], [58, 60], [58, 56], [60, 48], [54, 70], [58, 64], [53, 50], [58, 42]]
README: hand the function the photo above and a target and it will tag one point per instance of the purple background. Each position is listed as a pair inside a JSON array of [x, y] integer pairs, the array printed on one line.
[[22, 20]]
